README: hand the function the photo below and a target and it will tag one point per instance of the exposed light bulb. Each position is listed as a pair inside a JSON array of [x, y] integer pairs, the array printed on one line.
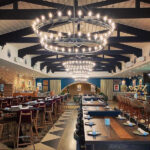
[[69, 50], [51, 36], [59, 13], [79, 34], [90, 13], [63, 49], [105, 18], [69, 13], [88, 34], [95, 36], [79, 13], [83, 49], [109, 21], [76, 50], [95, 47], [37, 20], [43, 17], [89, 49], [51, 47], [50, 15], [100, 47], [98, 16], [69, 33], [59, 34], [56, 48]]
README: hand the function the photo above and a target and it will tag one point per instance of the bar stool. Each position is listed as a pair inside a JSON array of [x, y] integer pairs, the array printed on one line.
[[120, 103], [48, 113], [25, 118], [59, 106], [35, 114], [136, 110], [41, 115], [55, 109], [15, 101], [146, 115]]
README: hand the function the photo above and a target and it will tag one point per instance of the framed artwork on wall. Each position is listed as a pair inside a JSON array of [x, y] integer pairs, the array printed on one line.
[[79, 87], [45, 82], [116, 87], [39, 85]]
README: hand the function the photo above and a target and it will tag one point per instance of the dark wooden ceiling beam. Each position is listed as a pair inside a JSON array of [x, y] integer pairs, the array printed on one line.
[[110, 40], [6, 2], [135, 50], [34, 60], [48, 4], [24, 51], [122, 58], [132, 30], [15, 34], [145, 1], [117, 13], [103, 3]]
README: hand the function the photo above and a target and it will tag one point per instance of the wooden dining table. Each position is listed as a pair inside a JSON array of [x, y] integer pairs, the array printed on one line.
[[93, 103], [115, 136]]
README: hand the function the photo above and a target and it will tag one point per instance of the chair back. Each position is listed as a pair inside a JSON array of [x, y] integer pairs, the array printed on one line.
[[25, 116]]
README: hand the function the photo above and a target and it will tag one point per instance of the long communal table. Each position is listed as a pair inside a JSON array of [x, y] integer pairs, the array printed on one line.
[[114, 137]]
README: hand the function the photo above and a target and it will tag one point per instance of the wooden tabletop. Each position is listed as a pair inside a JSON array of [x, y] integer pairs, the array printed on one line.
[[95, 108], [116, 132], [93, 103]]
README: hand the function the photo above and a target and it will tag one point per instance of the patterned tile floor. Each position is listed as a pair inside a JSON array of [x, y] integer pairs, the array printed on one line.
[[60, 136]]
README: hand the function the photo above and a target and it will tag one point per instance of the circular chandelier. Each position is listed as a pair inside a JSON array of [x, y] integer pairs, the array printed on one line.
[[80, 70], [74, 41]]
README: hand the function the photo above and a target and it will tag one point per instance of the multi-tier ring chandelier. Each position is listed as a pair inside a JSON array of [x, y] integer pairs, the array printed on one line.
[[79, 69], [74, 42]]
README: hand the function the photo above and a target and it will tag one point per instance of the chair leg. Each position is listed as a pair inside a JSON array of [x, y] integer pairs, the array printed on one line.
[[31, 137], [50, 120], [18, 133], [35, 126]]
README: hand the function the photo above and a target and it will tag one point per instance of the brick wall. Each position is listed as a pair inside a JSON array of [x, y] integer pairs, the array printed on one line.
[[15, 82]]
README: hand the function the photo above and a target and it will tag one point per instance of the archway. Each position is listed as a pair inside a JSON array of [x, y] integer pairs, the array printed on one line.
[[81, 88]]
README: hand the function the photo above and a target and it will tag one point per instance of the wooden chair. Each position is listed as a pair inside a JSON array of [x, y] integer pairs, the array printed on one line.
[[25, 118], [136, 110], [15, 101], [35, 115], [41, 115], [55, 109], [48, 113], [59, 106], [146, 114]]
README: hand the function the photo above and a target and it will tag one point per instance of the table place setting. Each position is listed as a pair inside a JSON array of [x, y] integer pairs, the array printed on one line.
[[86, 112], [90, 123], [93, 133], [107, 107], [40, 99], [100, 101], [6, 108], [121, 117], [129, 123], [88, 117], [140, 132]]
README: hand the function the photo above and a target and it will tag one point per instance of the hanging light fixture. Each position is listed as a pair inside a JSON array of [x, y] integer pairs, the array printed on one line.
[[79, 69], [74, 41]]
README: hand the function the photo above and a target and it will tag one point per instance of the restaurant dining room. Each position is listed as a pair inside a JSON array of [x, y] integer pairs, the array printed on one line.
[[74, 74]]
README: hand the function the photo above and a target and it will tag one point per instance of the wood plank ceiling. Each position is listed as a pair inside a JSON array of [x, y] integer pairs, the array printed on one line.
[[132, 19]]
